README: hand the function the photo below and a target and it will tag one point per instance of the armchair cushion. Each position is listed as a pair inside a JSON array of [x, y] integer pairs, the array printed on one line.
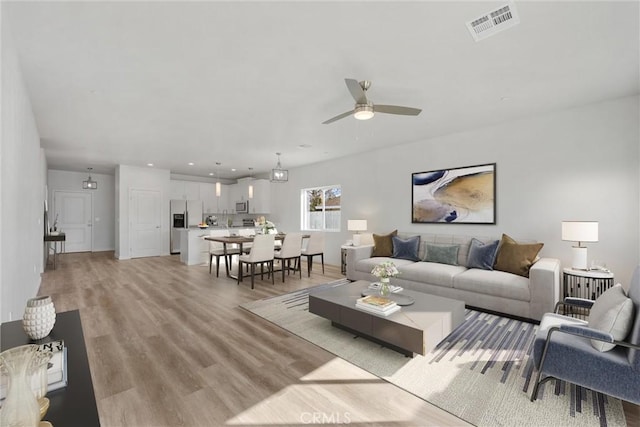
[[612, 313]]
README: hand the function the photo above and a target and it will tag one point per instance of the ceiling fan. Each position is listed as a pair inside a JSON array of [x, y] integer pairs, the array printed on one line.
[[365, 109]]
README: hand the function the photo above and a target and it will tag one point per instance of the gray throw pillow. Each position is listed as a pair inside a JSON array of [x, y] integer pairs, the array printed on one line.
[[406, 248], [442, 254], [482, 255], [612, 312]]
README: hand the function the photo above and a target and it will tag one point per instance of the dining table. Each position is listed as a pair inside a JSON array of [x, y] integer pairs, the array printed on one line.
[[240, 240]]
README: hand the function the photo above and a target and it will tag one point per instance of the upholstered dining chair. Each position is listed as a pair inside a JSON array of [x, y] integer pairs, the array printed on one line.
[[246, 232], [315, 246], [291, 251], [601, 354], [216, 249], [261, 253]]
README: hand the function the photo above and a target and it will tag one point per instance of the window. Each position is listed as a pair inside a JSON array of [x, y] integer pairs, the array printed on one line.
[[320, 208]]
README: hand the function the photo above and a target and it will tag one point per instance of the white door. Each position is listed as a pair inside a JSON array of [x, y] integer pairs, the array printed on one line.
[[144, 229], [73, 211]]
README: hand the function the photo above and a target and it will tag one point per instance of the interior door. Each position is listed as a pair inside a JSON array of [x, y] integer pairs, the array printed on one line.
[[145, 229], [74, 214]]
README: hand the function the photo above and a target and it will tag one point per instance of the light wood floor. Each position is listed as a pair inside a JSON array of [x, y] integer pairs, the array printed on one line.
[[169, 346]]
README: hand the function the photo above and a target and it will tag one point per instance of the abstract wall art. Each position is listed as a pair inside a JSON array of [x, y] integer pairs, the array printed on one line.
[[465, 195]]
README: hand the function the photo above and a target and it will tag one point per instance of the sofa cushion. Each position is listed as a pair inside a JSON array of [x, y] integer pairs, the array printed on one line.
[[382, 244], [431, 273], [367, 264], [496, 283], [612, 312], [443, 254], [482, 255], [516, 258], [406, 248]]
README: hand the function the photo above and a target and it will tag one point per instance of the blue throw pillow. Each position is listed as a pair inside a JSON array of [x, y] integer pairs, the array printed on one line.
[[442, 254], [406, 248], [482, 255]]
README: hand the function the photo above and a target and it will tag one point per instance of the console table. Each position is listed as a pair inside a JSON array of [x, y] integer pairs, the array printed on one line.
[[75, 404], [55, 238]]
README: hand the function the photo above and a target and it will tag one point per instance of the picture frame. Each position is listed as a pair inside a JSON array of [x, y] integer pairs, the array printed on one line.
[[462, 195]]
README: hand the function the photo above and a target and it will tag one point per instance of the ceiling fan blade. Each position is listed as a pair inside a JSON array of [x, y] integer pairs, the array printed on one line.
[[338, 117], [356, 91], [396, 109]]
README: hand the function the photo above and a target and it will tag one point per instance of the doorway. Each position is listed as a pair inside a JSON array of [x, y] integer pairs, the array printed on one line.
[[145, 237], [73, 211]]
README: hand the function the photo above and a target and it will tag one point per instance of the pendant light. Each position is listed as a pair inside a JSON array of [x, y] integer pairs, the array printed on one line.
[[89, 184], [251, 185], [278, 174], [218, 184]]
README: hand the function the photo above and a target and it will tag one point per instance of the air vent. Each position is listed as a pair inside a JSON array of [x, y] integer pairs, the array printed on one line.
[[493, 22]]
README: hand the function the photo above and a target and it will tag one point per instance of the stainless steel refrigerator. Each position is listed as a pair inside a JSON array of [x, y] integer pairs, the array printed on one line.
[[184, 214]]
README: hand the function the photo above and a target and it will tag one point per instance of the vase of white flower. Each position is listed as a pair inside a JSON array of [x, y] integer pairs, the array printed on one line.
[[384, 271]]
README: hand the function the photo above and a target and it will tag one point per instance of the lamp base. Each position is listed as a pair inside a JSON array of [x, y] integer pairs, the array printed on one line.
[[356, 240], [579, 258]]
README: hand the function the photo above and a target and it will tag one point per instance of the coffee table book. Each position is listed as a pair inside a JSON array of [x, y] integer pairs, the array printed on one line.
[[377, 304]]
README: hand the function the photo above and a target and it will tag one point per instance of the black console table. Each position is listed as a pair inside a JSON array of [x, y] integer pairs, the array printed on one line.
[[75, 404]]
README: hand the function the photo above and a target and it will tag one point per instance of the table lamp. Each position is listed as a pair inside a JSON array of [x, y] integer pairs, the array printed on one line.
[[579, 231], [357, 225]]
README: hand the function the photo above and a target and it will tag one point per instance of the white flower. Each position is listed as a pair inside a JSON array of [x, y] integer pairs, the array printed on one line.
[[385, 269]]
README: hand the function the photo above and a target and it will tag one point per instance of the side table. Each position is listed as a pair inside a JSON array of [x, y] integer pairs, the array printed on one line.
[[589, 284]]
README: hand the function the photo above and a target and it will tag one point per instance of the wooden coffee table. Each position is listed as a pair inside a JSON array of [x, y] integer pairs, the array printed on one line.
[[416, 328]]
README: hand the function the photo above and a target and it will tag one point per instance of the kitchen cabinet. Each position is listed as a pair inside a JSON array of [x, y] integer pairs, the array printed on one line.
[[184, 190], [208, 197], [261, 202]]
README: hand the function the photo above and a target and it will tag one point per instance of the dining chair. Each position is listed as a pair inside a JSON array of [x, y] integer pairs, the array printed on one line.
[[246, 232], [216, 249], [291, 251], [315, 246], [261, 253]]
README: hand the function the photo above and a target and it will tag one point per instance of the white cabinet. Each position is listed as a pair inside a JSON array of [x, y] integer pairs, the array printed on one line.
[[261, 202], [184, 190], [208, 197]]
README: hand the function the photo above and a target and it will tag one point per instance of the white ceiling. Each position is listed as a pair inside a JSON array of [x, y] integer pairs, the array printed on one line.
[[235, 82]]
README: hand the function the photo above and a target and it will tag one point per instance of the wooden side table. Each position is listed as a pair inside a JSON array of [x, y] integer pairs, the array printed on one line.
[[589, 284]]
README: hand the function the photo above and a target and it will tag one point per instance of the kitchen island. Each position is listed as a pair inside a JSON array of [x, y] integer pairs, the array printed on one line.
[[194, 250]]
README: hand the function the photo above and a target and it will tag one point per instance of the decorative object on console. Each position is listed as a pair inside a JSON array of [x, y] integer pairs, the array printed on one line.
[[442, 254], [482, 255], [278, 174], [406, 248], [357, 225], [516, 258], [383, 245], [463, 195], [39, 317], [580, 231], [385, 271]]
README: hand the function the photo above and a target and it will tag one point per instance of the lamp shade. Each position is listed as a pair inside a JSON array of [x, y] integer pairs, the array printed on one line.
[[357, 225], [580, 231]]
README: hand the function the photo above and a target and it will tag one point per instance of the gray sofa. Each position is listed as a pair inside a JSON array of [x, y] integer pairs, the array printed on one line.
[[486, 289]]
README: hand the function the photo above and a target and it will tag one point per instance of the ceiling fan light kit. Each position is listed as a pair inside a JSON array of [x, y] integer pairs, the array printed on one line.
[[365, 109]]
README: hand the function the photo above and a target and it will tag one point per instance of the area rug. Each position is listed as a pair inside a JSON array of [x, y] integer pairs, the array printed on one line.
[[481, 373]]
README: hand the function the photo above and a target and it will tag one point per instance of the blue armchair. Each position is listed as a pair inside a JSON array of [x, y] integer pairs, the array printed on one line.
[[563, 350]]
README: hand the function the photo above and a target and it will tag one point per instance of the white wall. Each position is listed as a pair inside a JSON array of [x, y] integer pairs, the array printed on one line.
[[578, 164], [132, 177], [103, 203], [22, 190]]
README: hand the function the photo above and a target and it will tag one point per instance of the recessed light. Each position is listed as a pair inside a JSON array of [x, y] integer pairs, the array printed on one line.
[[191, 163], [150, 165], [233, 169], [210, 173]]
